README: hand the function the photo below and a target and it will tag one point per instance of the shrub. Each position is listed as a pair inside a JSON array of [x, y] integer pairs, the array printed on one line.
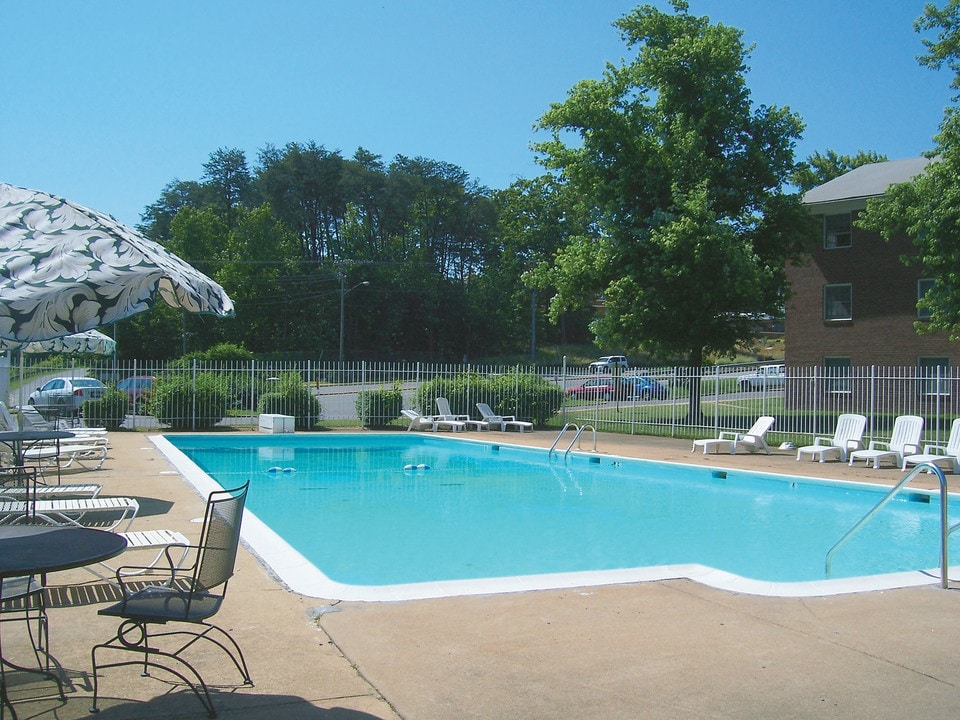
[[185, 404], [527, 395], [108, 411], [379, 407], [291, 396]]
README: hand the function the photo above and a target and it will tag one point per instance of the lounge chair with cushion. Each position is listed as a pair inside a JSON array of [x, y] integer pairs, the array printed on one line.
[[504, 422], [752, 439], [847, 437], [183, 599], [905, 440], [940, 454]]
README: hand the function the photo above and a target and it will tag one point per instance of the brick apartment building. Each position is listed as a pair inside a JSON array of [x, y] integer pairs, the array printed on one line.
[[855, 303]]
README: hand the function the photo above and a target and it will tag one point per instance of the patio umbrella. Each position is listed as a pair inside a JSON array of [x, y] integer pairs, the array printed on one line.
[[65, 269], [91, 342]]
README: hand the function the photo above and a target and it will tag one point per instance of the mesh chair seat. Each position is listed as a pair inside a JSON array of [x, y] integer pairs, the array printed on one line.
[[161, 604]]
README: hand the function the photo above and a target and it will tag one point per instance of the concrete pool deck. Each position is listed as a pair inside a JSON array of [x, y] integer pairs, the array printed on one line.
[[666, 649]]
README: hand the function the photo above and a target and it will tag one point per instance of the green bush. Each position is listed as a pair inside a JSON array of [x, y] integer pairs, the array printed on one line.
[[290, 395], [379, 407], [527, 395], [185, 404], [108, 411]]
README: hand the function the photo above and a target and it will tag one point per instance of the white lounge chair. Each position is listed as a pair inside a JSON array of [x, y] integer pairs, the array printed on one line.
[[83, 451], [445, 413], [418, 421], [51, 492], [162, 540], [104, 513], [752, 439], [905, 440], [429, 422], [30, 419], [937, 454], [20, 483], [502, 421], [847, 437]]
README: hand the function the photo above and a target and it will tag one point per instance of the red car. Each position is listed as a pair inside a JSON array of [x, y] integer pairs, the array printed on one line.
[[137, 388], [603, 388]]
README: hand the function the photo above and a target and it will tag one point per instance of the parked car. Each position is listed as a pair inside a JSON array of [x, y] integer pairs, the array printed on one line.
[[767, 377], [137, 387], [646, 388], [65, 395], [600, 388], [608, 362]]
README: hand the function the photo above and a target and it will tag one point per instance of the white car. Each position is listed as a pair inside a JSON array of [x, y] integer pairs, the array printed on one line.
[[766, 377], [65, 395], [608, 362]]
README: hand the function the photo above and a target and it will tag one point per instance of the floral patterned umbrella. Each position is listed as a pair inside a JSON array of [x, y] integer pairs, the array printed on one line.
[[91, 342], [65, 269]]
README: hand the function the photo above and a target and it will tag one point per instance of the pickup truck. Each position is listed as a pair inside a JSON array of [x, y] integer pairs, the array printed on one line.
[[766, 377]]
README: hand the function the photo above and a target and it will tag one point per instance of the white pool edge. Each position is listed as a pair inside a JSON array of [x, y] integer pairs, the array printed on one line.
[[302, 577]]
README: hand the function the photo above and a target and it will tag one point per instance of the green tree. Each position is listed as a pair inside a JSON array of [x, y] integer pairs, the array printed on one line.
[[820, 168], [927, 209], [687, 178]]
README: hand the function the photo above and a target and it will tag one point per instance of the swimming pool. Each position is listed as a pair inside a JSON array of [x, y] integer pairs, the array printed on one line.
[[389, 516]]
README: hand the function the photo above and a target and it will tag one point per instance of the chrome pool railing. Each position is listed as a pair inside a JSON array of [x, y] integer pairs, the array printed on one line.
[[945, 530]]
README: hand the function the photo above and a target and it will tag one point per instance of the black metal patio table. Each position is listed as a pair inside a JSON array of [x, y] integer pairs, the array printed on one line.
[[38, 550]]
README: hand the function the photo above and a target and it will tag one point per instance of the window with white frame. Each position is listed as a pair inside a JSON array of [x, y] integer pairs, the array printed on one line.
[[838, 302], [836, 374], [837, 231], [923, 286], [933, 375]]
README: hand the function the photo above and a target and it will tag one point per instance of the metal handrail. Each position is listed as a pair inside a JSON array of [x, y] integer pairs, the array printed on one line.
[[562, 431], [945, 530], [577, 437]]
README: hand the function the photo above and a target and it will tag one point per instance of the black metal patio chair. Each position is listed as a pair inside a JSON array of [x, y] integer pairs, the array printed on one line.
[[190, 594]]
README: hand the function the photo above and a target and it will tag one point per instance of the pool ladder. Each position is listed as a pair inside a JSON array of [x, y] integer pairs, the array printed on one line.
[[576, 438], [945, 529]]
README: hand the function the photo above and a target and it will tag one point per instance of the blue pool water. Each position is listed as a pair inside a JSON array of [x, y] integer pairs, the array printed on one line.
[[374, 510]]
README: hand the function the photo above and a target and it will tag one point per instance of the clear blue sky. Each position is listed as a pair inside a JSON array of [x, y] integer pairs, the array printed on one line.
[[107, 101]]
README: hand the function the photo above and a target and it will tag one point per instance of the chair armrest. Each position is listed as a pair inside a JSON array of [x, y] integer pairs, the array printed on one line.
[[879, 445], [168, 574], [854, 445], [910, 449], [934, 450], [728, 435], [822, 441]]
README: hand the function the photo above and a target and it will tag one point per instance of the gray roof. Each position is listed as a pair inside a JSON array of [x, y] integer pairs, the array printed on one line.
[[866, 181]]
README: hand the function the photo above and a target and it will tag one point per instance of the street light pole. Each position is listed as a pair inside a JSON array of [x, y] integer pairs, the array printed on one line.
[[343, 295]]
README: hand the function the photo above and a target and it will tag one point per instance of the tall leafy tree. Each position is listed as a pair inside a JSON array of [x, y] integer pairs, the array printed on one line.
[[927, 209], [227, 178], [687, 178]]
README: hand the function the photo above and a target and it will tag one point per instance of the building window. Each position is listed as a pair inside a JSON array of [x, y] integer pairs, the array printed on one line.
[[836, 373], [923, 286], [933, 376], [837, 231], [838, 302]]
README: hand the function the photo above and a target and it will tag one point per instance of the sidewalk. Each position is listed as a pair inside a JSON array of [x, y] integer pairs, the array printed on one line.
[[671, 649]]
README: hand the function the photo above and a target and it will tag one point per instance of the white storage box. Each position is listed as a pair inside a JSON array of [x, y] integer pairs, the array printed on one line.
[[276, 424]]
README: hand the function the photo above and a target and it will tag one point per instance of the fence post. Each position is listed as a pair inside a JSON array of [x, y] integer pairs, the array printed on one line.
[[563, 388]]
